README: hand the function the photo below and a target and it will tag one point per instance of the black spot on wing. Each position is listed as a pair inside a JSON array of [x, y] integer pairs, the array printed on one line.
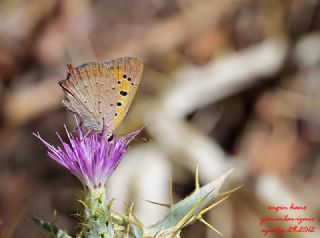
[[123, 93]]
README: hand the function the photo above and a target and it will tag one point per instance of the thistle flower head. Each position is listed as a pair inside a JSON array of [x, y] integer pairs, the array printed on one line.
[[90, 157]]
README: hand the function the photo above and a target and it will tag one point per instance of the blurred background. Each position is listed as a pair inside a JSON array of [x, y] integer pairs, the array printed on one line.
[[227, 84]]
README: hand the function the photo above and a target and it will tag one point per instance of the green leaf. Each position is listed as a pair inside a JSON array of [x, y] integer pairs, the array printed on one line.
[[54, 231], [189, 209]]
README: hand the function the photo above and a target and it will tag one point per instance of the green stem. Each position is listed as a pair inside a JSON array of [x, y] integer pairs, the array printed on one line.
[[97, 220]]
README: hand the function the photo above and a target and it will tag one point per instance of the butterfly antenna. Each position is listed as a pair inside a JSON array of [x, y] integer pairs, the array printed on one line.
[[138, 138], [70, 68], [141, 139]]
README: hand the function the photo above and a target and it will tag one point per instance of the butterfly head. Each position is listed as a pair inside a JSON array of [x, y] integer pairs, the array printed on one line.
[[110, 137]]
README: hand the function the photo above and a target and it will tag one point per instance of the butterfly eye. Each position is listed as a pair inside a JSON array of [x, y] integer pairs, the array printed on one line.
[[110, 137]]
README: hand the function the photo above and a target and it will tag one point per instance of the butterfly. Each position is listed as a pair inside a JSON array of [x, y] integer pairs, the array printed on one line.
[[101, 93]]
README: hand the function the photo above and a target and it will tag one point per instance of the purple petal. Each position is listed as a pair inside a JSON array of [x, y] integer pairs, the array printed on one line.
[[89, 157]]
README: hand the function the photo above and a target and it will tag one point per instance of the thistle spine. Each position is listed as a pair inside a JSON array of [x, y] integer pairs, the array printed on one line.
[[97, 219]]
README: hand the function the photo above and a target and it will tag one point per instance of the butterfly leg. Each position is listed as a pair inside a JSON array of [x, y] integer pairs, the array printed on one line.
[[78, 127], [104, 127], [105, 131]]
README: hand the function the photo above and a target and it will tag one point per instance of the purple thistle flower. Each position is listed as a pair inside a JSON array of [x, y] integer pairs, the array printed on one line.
[[90, 157]]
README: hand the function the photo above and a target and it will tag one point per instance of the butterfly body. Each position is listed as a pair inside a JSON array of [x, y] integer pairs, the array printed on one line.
[[101, 93]]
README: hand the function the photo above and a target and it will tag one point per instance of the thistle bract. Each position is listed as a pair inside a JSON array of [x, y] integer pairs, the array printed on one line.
[[90, 157]]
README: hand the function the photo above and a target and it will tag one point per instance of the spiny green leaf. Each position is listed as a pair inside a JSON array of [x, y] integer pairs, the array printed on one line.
[[54, 231], [187, 210]]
